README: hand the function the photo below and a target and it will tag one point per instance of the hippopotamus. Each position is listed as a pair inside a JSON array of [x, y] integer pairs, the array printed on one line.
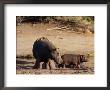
[[72, 59], [44, 51]]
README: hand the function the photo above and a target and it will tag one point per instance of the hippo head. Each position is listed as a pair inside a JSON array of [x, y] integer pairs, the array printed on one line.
[[56, 56], [83, 58]]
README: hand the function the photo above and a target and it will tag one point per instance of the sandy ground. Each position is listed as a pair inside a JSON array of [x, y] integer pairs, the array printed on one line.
[[66, 41]]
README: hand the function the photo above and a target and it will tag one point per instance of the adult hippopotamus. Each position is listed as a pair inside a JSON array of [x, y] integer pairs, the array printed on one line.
[[44, 51]]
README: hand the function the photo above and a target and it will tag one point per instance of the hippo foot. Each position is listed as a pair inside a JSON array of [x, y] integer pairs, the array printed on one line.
[[35, 67], [51, 65]]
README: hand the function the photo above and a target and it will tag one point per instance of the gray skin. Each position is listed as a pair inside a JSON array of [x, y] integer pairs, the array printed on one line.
[[43, 51], [72, 59]]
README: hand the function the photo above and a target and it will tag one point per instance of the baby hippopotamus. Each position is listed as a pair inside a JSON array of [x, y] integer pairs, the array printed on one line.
[[72, 59]]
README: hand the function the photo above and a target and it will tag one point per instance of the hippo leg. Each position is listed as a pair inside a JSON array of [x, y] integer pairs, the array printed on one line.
[[56, 65], [77, 66], [44, 65], [41, 65], [47, 65], [52, 64], [64, 66], [37, 64]]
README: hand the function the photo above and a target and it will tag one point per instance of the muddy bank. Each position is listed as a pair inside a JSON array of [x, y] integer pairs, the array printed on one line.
[[24, 66]]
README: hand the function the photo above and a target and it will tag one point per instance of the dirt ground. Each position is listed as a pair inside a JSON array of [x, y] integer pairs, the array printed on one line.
[[67, 41]]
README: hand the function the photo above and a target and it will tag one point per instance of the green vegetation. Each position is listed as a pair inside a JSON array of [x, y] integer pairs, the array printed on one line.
[[82, 24], [47, 19]]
